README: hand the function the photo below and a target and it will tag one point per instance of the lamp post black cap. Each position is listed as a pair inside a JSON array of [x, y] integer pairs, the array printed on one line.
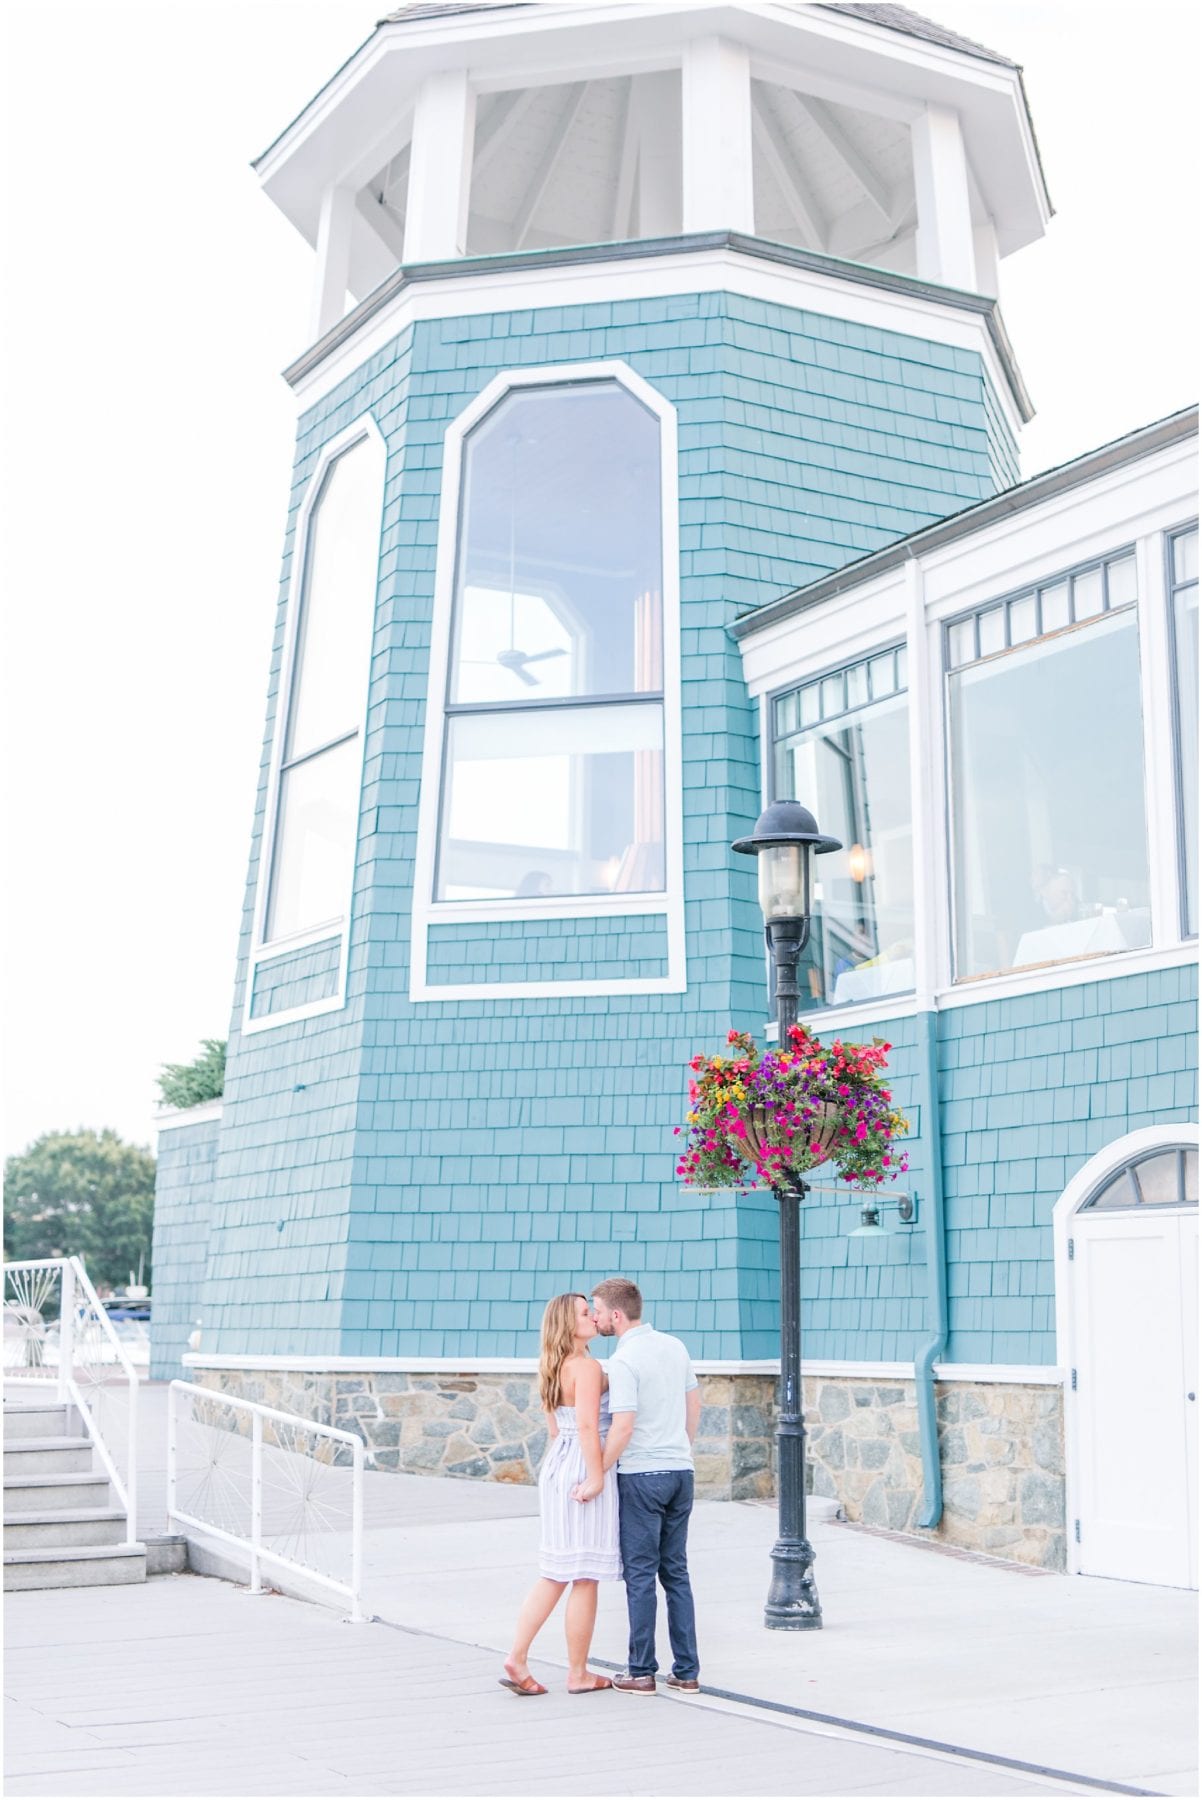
[[785, 822]]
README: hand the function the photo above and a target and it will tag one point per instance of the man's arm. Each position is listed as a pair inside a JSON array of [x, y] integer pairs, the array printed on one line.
[[692, 1412], [621, 1427]]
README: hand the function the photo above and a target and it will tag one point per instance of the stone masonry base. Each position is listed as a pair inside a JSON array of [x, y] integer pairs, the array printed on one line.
[[1001, 1444]]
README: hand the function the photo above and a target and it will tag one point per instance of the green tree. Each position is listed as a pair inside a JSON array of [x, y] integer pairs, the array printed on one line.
[[81, 1193], [190, 1084]]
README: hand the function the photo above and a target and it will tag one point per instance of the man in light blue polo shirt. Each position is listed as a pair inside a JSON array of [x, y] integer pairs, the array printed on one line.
[[656, 1406]]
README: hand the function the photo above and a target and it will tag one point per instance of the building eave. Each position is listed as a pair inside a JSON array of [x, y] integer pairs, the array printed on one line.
[[1162, 434], [485, 268]]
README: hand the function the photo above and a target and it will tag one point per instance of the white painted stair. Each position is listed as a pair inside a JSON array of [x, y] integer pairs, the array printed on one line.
[[60, 1526]]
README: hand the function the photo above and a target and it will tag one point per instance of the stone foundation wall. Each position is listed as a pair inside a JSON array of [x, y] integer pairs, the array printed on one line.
[[484, 1427], [1001, 1444], [1001, 1449]]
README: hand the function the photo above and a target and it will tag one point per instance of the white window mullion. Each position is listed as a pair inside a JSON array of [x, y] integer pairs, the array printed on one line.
[[1160, 774]]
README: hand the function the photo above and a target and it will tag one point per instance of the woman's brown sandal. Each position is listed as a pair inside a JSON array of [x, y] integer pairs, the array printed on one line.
[[596, 1686], [523, 1689]]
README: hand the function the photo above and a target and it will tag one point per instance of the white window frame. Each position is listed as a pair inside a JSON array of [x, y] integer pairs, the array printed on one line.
[[668, 905], [869, 619], [264, 951]]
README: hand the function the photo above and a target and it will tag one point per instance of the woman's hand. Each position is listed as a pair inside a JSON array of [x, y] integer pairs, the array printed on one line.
[[588, 1490]]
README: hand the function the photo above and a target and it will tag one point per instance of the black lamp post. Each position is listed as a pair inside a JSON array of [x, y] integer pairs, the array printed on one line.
[[785, 839]]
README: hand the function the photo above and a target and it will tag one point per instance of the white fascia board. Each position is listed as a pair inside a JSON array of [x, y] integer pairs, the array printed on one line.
[[173, 1118], [836, 631], [1021, 1374], [1116, 508], [662, 277], [835, 57]]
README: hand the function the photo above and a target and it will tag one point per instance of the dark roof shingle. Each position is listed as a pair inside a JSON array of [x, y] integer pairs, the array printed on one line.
[[912, 24], [437, 9]]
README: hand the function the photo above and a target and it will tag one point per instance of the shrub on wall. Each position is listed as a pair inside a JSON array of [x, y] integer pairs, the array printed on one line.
[[191, 1084]]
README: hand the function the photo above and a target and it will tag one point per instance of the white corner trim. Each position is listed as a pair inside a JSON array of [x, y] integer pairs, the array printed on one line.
[[177, 1118], [427, 911], [362, 428]]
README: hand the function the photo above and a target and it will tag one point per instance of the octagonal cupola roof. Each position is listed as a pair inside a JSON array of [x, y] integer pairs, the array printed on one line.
[[860, 132]]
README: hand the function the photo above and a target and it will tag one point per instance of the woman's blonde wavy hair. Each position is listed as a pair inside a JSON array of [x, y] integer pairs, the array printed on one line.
[[558, 1343]]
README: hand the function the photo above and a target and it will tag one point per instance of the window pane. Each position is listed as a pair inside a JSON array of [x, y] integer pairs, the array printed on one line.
[[1185, 556], [992, 627], [315, 840], [1185, 640], [1159, 1179], [339, 604], [833, 702], [1022, 619], [1119, 1194], [1120, 581], [811, 710], [1169, 1178], [559, 573], [788, 715], [562, 800], [1087, 594], [857, 685], [1054, 606], [1051, 857], [855, 775], [961, 642]]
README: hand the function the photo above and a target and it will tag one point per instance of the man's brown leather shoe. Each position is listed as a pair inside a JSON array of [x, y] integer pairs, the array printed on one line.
[[634, 1684], [691, 1685]]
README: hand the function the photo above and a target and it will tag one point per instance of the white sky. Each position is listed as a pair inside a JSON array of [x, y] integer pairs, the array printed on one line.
[[152, 297]]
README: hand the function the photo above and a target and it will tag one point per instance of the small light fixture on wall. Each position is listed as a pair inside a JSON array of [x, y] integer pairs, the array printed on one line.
[[870, 1216]]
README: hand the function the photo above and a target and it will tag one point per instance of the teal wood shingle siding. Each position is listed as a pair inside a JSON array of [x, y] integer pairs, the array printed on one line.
[[295, 979], [1030, 1089], [183, 1195], [396, 1178], [615, 948]]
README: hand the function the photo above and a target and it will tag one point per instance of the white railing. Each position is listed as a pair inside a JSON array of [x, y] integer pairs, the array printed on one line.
[[287, 1490], [82, 1355]]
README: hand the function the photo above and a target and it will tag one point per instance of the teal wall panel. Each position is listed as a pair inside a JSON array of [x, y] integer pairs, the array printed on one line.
[[621, 947], [418, 1178], [296, 978], [183, 1198]]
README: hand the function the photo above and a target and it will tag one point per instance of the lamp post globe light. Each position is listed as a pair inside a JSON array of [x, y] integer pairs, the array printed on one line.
[[786, 839]]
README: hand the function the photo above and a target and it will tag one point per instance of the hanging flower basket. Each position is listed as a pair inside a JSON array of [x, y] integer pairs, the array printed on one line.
[[770, 1117]]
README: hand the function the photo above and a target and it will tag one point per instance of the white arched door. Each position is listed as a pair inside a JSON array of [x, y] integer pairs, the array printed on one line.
[[1132, 1246]]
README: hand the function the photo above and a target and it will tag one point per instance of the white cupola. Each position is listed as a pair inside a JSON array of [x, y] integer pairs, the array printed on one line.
[[859, 133]]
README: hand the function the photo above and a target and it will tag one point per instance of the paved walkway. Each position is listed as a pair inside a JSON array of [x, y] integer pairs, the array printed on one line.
[[188, 1687], [1095, 1678]]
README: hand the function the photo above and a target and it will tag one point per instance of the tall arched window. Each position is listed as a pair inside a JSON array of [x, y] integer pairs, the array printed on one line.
[[553, 773], [553, 735], [305, 889]]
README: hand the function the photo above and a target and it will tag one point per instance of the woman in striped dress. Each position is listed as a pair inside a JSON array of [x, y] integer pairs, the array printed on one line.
[[577, 1503]]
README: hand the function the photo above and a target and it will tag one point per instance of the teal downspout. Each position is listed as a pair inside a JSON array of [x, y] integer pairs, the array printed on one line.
[[932, 1209]]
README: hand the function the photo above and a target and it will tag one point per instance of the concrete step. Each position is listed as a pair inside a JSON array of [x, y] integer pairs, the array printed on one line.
[[64, 1528], [40, 1419], [89, 1565], [42, 1493], [47, 1456]]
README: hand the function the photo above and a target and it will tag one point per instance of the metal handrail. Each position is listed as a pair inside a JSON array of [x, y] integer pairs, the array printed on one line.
[[73, 1276], [260, 1552]]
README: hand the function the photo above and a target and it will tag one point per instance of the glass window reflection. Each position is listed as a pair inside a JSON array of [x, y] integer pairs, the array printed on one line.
[[852, 768], [557, 605], [1184, 578], [1050, 857]]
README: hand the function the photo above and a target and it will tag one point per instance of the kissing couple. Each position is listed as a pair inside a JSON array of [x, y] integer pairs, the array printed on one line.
[[615, 1489]]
